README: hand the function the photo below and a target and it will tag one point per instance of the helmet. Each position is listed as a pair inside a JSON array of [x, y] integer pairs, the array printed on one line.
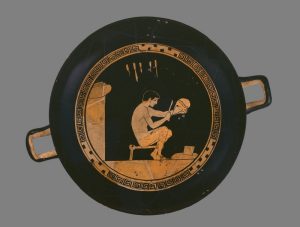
[[181, 107]]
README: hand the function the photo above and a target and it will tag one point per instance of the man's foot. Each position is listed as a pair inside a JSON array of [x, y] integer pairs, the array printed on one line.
[[161, 157]]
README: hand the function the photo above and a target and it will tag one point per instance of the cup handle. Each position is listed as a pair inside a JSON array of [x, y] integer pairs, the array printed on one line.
[[34, 134], [263, 82]]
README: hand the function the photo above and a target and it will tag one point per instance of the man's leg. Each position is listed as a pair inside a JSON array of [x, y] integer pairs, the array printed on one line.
[[164, 135], [159, 136]]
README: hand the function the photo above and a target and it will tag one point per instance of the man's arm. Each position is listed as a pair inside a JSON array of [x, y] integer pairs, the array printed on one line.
[[156, 113], [158, 123]]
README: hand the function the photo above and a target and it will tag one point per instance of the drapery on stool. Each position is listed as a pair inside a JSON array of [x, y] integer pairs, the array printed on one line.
[[134, 147]]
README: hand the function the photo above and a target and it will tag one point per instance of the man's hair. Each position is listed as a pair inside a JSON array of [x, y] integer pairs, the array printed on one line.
[[150, 94]]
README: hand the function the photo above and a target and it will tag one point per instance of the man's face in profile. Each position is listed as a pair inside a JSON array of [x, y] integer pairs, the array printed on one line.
[[153, 102]]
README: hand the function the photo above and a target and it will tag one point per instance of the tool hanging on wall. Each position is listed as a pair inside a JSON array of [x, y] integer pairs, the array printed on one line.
[[138, 69]]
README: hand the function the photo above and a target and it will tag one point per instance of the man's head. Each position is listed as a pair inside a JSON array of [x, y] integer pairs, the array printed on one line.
[[151, 96]]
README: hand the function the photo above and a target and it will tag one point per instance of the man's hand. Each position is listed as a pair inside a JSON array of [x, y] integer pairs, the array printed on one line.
[[168, 116]]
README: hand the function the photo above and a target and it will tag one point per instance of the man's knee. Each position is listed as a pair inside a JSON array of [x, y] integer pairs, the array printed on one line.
[[169, 133], [165, 132], [163, 128]]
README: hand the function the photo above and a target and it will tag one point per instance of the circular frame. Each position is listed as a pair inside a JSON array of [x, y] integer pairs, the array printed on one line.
[[81, 129]]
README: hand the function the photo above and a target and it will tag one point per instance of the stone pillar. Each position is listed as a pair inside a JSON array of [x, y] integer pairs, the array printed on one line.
[[95, 117]]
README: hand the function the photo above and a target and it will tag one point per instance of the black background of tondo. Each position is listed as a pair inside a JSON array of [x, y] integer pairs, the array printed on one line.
[[174, 80]]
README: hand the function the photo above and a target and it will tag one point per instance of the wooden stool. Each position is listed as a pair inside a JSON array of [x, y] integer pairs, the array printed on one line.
[[134, 147]]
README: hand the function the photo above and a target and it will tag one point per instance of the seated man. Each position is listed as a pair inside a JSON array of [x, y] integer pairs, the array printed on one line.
[[141, 119]]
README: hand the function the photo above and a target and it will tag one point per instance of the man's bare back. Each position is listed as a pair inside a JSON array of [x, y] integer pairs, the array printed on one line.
[[139, 123]]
